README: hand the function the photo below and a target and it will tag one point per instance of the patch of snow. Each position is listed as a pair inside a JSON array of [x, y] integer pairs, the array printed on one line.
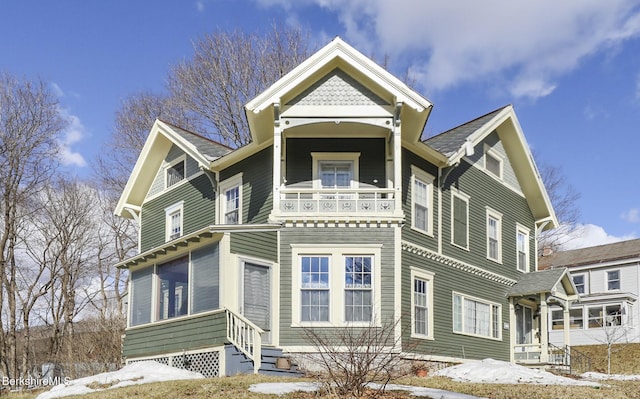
[[603, 377], [498, 372], [428, 392], [133, 374], [283, 388]]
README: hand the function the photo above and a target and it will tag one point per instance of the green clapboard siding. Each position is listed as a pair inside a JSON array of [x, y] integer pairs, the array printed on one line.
[[484, 191], [409, 234], [257, 170], [187, 334], [263, 245], [339, 236], [371, 164], [447, 280]]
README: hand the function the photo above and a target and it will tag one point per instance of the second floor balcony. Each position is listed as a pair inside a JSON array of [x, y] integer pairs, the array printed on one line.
[[364, 201]]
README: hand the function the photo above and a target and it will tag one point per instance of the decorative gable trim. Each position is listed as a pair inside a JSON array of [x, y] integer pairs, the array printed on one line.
[[456, 264]]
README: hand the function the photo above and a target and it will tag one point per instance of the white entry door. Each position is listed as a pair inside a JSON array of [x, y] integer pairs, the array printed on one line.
[[256, 297]]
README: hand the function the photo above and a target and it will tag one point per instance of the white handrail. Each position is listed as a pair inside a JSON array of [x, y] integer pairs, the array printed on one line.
[[246, 336]]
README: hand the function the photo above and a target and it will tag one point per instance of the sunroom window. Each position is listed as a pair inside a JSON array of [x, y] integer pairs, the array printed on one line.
[[174, 288]]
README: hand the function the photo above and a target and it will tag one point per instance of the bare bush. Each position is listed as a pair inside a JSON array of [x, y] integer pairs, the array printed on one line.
[[354, 359]]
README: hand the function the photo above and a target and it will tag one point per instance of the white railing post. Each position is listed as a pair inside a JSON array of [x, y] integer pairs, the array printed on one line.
[[245, 336]]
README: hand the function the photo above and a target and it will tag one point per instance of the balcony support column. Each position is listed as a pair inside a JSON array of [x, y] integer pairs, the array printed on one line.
[[277, 157], [397, 158]]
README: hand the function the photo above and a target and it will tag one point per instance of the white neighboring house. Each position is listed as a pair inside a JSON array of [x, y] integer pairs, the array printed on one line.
[[607, 278]]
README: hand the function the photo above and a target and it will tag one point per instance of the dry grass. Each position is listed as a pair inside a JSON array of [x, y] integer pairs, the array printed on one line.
[[625, 358], [237, 387]]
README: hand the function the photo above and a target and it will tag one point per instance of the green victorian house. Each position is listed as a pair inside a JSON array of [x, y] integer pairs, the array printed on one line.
[[338, 215]]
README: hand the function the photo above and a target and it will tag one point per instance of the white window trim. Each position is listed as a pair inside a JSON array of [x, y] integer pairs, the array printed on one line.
[[465, 198], [169, 211], [495, 215], [520, 229], [426, 178], [429, 278], [317, 157], [336, 254], [585, 276], [182, 158], [228, 184], [495, 154], [606, 280], [484, 301]]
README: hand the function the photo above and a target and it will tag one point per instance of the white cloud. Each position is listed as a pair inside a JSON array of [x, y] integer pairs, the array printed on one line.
[[523, 46], [631, 216], [200, 6], [73, 134], [57, 90], [589, 235]]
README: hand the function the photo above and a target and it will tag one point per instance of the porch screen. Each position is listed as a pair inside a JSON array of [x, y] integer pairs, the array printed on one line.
[[141, 296], [174, 288], [205, 273]]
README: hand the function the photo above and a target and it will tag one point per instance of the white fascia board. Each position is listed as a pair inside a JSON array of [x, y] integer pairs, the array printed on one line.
[[338, 49]]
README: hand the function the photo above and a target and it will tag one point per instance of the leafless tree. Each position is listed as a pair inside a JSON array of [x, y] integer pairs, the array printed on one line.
[[229, 69], [564, 199], [30, 122]]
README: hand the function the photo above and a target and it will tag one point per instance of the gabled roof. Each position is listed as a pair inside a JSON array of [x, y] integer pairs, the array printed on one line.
[[455, 143], [616, 252], [160, 140], [338, 54], [553, 281]]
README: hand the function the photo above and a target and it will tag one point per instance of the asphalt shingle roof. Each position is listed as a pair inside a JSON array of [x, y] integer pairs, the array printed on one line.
[[592, 255], [449, 142], [207, 147], [537, 282]]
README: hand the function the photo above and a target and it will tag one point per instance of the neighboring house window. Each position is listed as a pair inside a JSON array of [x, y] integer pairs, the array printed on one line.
[[173, 288], [187, 285], [476, 317], [493, 163], [421, 200], [522, 248], [335, 285], [358, 284], [579, 282], [605, 316], [460, 219], [314, 295], [173, 221], [613, 280], [575, 319], [175, 172], [494, 235], [421, 304], [231, 200]]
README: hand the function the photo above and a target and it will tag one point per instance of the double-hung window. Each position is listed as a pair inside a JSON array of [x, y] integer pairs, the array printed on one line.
[[173, 221], [476, 317], [231, 200], [314, 288], [336, 285], [358, 288], [421, 200], [422, 304], [613, 280], [579, 282], [522, 248], [494, 235]]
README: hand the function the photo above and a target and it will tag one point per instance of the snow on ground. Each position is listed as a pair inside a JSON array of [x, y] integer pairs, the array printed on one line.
[[133, 374], [498, 372], [603, 377]]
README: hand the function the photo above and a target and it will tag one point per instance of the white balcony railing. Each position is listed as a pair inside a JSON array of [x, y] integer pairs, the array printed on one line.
[[373, 201]]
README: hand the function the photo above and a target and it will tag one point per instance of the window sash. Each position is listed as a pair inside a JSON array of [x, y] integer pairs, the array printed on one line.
[[579, 282], [421, 204], [232, 205], [493, 238], [141, 296], [476, 317], [613, 280], [358, 274], [314, 288], [493, 165], [460, 220], [421, 306], [173, 288], [175, 224], [521, 244], [336, 174]]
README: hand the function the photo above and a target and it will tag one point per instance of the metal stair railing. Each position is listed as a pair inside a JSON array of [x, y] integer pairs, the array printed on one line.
[[246, 336]]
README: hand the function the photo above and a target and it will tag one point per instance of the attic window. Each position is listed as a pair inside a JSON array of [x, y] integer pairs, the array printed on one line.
[[493, 163], [175, 173]]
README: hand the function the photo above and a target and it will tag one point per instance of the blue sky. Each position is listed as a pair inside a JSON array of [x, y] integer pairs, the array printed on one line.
[[571, 69]]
